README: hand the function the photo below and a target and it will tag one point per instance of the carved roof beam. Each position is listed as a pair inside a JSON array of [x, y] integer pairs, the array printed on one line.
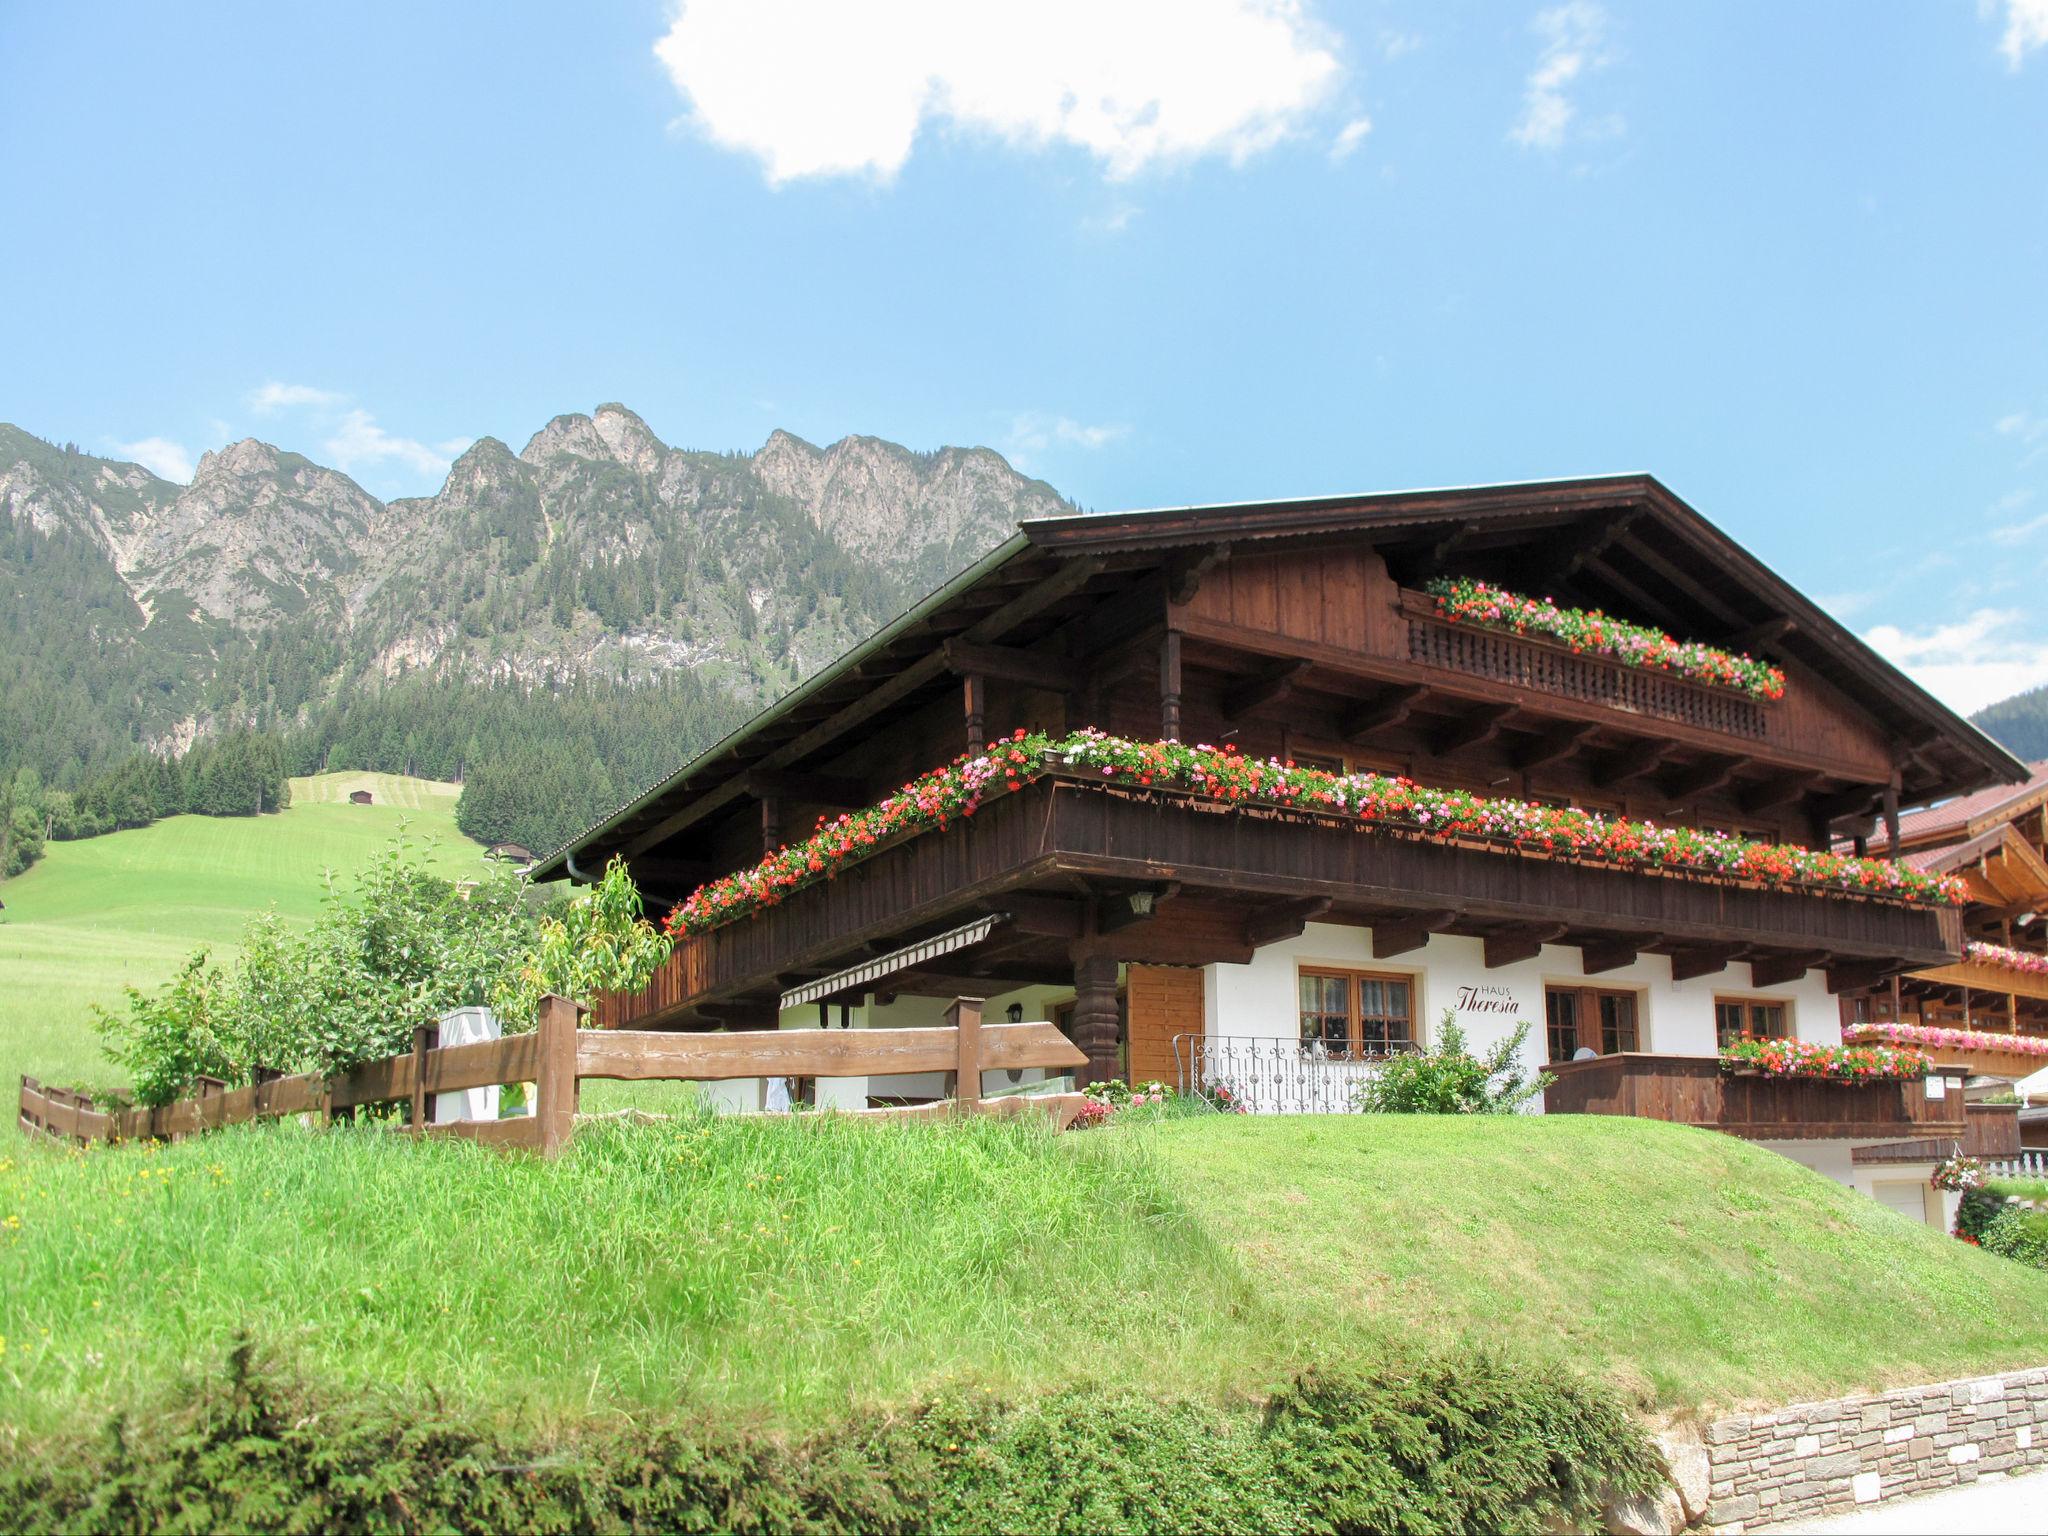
[[1411, 932], [1631, 763], [1524, 941], [1273, 686], [1389, 708]]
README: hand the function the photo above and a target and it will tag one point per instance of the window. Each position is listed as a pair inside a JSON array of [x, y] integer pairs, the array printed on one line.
[[1322, 762], [1355, 1014], [1735, 1017], [1590, 1018], [1561, 1022]]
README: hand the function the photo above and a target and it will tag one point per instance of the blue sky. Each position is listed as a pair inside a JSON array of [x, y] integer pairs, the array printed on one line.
[[1792, 259]]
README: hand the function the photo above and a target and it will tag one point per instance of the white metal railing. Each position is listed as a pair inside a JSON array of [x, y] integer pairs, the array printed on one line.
[[1268, 1076], [2029, 1164]]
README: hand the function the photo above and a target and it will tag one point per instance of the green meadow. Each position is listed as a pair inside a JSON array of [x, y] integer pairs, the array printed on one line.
[[104, 913]]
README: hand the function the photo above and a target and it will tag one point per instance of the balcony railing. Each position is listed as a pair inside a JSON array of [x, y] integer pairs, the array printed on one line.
[[1693, 1090], [1545, 666], [1274, 1076]]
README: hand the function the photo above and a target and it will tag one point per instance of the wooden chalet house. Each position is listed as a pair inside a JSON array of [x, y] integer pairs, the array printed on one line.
[[1178, 932], [1988, 1012]]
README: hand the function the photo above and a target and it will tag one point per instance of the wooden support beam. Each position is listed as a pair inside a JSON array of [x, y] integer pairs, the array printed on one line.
[[1390, 708], [1511, 946], [1772, 793], [1855, 801], [1273, 686], [1562, 556], [1448, 543], [1407, 933], [1636, 762], [1285, 920], [1613, 953], [1092, 1024], [974, 709], [1766, 633], [1475, 729], [1687, 964], [1777, 970], [1013, 664], [1554, 745], [1860, 975], [827, 789], [771, 825], [1048, 917], [1169, 686], [1184, 576], [1705, 777]]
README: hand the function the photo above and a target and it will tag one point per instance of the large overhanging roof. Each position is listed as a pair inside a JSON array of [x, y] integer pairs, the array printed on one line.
[[1651, 557]]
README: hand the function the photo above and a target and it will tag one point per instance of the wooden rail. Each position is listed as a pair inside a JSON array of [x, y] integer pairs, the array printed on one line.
[[1990, 1131], [558, 1055], [1548, 666], [1693, 1090]]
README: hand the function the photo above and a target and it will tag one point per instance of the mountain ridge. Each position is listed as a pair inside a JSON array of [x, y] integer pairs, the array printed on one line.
[[271, 583]]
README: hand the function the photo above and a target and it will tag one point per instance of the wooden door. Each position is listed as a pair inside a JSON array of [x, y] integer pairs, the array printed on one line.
[[1164, 1001]]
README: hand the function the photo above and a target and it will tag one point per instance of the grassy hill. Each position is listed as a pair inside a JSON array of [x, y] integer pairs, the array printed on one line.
[[126, 909], [786, 1271]]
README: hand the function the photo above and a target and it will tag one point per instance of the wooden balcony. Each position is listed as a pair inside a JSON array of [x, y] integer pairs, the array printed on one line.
[[1069, 830], [1990, 1131], [1693, 1090], [1548, 667], [1984, 1058]]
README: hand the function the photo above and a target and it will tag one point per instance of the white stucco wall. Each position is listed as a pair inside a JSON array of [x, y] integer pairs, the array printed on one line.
[[1261, 1000]]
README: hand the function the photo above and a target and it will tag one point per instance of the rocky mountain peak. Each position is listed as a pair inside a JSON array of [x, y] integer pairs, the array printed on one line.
[[573, 433], [629, 439]]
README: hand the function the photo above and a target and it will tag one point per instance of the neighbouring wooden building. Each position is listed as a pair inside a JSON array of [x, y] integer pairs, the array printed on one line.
[[359, 797], [1166, 929]]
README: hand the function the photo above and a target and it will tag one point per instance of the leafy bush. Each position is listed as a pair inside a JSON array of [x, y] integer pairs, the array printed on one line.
[[597, 942], [397, 948], [1465, 1441], [2018, 1232], [1975, 1212], [1448, 1079]]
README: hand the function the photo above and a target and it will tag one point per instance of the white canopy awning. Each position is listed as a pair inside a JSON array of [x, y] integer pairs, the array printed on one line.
[[911, 955], [2034, 1086]]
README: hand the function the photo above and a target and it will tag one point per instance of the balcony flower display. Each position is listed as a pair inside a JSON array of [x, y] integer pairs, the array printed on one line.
[[1462, 600], [1937, 1037], [1825, 1063], [2011, 959], [953, 793]]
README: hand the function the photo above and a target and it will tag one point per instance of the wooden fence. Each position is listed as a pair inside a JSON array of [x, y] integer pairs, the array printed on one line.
[[558, 1056]]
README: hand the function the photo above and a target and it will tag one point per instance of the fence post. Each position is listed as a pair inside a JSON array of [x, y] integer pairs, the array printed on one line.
[[555, 1071], [964, 1018], [425, 1037]]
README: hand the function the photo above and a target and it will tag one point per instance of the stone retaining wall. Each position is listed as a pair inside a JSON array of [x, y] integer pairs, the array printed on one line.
[[1823, 1457]]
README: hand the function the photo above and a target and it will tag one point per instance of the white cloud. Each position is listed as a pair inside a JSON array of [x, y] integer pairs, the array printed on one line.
[[161, 456], [358, 441], [1971, 663], [834, 89], [273, 397], [1352, 135], [1035, 431], [2026, 28], [1574, 46]]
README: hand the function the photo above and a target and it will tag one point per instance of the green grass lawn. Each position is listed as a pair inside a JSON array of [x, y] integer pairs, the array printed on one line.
[[786, 1269], [1685, 1264], [101, 913]]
